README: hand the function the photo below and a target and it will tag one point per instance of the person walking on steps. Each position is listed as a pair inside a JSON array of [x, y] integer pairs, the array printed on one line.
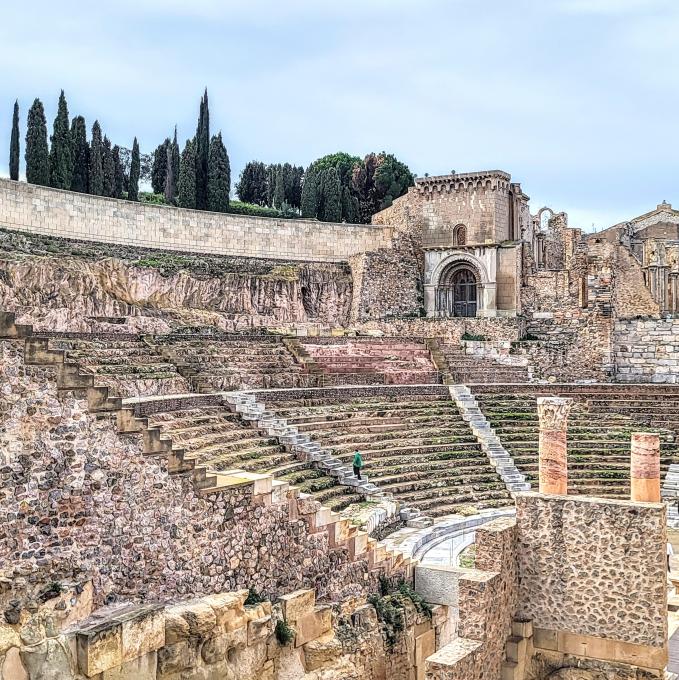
[[358, 463]]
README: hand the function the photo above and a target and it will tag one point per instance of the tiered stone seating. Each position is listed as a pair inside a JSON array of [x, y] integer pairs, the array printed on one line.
[[598, 442], [371, 361], [416, 447], [126, 364], [233, 362], [218, 439], [469, 369]]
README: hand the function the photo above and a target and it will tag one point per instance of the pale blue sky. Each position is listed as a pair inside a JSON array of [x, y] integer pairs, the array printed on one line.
[[577, 99]]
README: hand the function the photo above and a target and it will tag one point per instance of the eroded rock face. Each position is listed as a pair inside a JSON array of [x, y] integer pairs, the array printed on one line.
[[63, 292]]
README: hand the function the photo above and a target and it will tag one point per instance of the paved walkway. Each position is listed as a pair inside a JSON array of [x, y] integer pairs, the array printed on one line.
[[673, 663]]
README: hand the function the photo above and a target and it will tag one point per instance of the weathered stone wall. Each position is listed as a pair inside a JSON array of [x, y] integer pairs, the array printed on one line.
[[570, 313], [219, 637], [42, 210], [646, 350], [80, 503], [452, 329], [388, 281], [593, 569]]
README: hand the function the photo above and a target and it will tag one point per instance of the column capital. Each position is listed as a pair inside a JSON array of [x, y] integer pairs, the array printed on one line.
[[553, 412]]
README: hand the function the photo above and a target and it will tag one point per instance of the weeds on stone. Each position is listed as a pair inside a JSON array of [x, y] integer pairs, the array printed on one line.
[[285, 634], [390, 606]]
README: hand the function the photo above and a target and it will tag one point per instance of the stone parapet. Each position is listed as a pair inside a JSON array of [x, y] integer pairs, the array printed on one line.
[[66, 214]]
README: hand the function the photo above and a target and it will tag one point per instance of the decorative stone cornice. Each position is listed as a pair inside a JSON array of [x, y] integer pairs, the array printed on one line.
[[497, 180]]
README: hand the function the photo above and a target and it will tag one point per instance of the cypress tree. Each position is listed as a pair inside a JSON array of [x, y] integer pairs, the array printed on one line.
[[350, 210], [14, 145], [279, 188], [202, 152], [187, 177], [270, 184], [159, 169], [219, 176], [332, 198], [61, 159], [135, 166], [37, 153], [118, 173], [309, 199], [251, 187], [172, 175], [108, 168], [96, 184], [81, 156]]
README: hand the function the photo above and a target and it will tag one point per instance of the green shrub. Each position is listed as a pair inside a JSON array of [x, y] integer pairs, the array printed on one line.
[[154, 199], [472, 336], [239, 208], [285, 634], [254, 598]]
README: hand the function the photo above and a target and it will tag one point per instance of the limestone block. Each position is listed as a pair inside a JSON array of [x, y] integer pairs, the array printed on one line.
[[176, 626], [142, 631], [176, 658], [199, 616], [215, 649], [297, 604], [425, 646], [438, 584], [322, 651], [141, 668], [12, 666], [259, 629], [229, 610], [99, 647], [312, 625]]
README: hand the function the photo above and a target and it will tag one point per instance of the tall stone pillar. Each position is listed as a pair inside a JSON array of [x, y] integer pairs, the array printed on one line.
[[645, 467], [553, 414]]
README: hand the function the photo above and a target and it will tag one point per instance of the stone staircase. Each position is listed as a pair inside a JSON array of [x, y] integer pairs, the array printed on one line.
[[125, 363], [135, 417], [464, 368], [368, 361], [598, 438], [212, 363], [415, 446], [315, 456], [489, 441]]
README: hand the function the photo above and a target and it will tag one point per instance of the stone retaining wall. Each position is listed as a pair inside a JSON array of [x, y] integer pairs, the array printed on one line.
[[646, 350], [42, 210]]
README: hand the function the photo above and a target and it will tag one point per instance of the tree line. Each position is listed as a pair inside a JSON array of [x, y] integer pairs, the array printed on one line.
[[338, 187], [69, 161], [199, 177]]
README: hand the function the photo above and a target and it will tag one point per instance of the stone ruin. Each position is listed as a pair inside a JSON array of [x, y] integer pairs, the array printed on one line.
[[180, 407]]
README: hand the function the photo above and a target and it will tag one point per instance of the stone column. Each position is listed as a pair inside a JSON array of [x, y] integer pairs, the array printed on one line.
[[553, 414], [645, 467]]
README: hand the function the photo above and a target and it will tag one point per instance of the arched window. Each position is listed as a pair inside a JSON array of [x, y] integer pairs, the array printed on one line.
[[460, 235]]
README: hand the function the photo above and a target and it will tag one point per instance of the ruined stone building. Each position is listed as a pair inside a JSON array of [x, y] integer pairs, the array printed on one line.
[[182, 395]]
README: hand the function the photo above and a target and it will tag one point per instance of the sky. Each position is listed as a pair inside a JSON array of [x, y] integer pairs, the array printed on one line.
[[577, 99]]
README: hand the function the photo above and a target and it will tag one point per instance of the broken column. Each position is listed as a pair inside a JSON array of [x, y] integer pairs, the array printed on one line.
[[645, 467], [553, 464]]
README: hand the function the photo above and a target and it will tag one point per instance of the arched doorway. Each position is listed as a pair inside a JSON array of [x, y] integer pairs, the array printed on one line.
[[456, 293]]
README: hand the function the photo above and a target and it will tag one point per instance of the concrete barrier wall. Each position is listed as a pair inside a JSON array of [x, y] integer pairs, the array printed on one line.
[[66, 214]]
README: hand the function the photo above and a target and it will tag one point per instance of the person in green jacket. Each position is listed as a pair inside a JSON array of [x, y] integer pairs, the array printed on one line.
[[358, 463]]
